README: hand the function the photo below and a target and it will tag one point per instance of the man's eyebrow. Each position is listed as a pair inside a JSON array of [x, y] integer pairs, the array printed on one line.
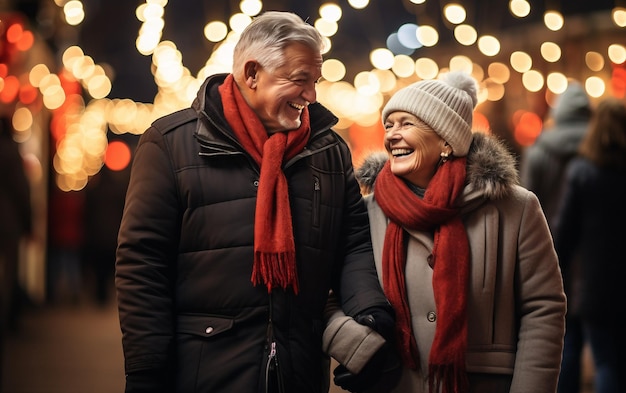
[[301, 73]]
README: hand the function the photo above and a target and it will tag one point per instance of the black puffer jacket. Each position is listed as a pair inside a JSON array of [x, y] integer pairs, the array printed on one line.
[[187, 306]]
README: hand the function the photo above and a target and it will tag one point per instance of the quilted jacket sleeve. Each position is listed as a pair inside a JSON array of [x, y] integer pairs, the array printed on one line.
[[147, 245]]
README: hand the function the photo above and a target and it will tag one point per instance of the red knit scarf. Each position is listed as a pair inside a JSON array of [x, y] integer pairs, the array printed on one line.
[[436, 212], [274, 246]]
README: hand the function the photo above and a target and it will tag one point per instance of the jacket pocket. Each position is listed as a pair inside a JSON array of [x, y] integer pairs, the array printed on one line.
[[220, 353], [203, 325], [200, 343]]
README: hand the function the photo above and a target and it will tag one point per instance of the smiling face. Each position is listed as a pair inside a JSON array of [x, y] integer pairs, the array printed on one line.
[[414, 148], [279, 95]]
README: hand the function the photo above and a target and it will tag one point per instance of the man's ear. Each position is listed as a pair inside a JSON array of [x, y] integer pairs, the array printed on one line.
[[251, 69]]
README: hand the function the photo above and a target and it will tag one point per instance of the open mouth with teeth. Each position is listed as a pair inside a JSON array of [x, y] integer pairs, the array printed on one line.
[[295, 106], [401, 152]]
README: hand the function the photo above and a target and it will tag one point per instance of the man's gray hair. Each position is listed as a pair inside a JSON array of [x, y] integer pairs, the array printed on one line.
[[265, 39]]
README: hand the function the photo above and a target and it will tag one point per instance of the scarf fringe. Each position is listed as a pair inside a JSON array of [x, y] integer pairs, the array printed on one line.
[[447, 378], [275, 270]]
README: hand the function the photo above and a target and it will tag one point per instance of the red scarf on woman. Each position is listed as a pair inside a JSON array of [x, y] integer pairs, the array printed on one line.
[[436, 212], [274, 246]]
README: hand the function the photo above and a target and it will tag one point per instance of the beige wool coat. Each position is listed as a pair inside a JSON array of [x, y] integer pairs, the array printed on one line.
[[516, 304]]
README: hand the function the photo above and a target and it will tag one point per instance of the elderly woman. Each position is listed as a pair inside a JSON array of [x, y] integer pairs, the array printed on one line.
[[463, 252]]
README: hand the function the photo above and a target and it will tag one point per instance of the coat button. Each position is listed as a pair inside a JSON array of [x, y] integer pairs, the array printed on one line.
[[431, 316], [256, 183], [209, 330]]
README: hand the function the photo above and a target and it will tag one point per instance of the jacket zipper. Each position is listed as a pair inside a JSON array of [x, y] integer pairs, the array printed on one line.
[[273, 376], [316, 201]]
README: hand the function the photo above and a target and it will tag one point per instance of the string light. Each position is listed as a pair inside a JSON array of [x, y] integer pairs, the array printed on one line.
[[393, 67]]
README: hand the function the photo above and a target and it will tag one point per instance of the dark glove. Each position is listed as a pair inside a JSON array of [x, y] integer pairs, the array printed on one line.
[[383, 371], [381, 320]]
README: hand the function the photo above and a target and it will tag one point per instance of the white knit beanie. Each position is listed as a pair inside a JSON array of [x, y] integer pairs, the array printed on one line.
[[446, 105]]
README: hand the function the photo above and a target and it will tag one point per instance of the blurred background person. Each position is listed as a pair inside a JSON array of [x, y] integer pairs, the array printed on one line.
[[542, 171], [590, 226], [543, 164], [65, 246], [15, 222], [104, 196]]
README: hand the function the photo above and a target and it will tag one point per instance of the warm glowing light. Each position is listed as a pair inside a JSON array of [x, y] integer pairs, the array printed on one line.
[[382, 58], [358, 4], [465, 34], [366, 83], [74, 12], [556, 82], [619, 16], [327, 45], [427, 35], [22, 119], [519, 8], [480, 123], [499, 72], [326, 27], [72, 54], [26, 41], [551, 52], [532, 80], [10, 89], [27, 94], [403, 66], [53, 97], [617, 53], [595, 86], [333, 70], [83, 116], [99, 86], [454, 13], [461, 63], [331, 12], [215, 31], [477, 71], [594, 60], [14, 33], [238, 22], [387, 79], [37, 73], [495, 91], [527, 127], [521, 61], [489, 45], [251, 7], [553, 20], [117, 156], [426, 68]]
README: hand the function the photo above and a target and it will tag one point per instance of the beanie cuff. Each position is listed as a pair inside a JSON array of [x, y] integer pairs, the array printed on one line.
[[437, 114]]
